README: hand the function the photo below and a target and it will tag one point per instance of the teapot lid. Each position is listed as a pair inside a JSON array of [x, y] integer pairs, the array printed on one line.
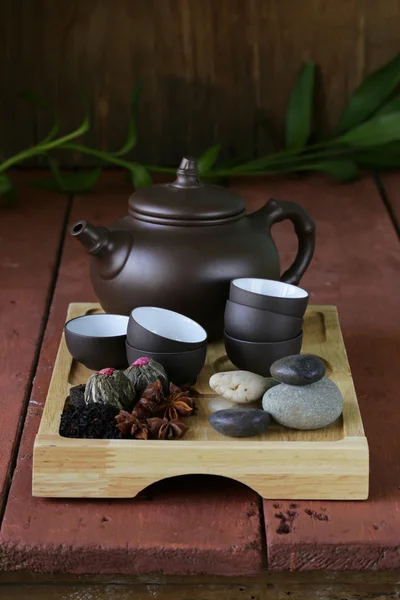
[[186, 200]]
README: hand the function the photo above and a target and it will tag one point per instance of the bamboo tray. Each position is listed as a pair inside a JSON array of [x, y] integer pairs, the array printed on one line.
[[330, 463]]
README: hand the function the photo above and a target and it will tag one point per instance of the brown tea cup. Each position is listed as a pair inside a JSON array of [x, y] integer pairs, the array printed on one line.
[[182, 368], [267, 294], [256, 325], [258, 357], [98, 341], [160, 330]]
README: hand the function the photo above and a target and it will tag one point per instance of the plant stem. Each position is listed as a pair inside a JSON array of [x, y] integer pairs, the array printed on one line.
[[283, 155], [110, 158], [42, 148], [104, 156], [281, 166]]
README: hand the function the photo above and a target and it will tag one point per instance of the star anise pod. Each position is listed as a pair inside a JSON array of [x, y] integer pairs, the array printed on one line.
[[176, 403], [151, 400], [132, 425], [163, 429]]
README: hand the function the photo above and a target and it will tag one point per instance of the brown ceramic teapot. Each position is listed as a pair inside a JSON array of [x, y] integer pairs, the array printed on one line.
[[181, 245]]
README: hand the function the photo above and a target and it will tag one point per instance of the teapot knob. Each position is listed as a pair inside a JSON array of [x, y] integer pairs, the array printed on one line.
[[187, 174]]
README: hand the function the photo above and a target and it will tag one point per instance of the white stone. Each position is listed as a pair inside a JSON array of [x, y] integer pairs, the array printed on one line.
[[221, 403], [239, 386]]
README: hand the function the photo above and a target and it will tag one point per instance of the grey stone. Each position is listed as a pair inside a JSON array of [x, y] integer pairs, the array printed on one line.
[[304, 407], [240, 422], [299, 369]]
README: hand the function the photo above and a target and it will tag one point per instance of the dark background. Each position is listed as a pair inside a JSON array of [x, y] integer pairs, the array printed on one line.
[[211, 70]]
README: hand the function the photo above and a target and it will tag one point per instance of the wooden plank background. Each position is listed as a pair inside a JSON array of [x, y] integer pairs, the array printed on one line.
[[212, 70]]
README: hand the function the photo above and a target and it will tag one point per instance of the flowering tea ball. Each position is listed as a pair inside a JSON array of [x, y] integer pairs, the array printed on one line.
[[110, 386], [145, 371]]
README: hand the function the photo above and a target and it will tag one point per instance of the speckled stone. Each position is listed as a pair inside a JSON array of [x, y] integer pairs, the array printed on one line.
[[304, 407], [299, 369], [240, 386], [240, 422]]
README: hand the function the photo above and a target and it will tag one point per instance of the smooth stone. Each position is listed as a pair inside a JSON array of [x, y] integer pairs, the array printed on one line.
[[240, 422], [304, 407], [221, 403], [299, 369], [240, 386]]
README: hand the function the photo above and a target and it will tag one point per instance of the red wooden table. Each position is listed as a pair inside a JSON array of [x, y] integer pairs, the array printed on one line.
[[173, 538]]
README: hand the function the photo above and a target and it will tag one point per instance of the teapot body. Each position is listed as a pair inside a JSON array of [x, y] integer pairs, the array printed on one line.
[[181, 245], [186, 269]]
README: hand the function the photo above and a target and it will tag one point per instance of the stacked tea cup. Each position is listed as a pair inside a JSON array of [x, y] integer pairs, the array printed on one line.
[[263, 322], [175, 341]]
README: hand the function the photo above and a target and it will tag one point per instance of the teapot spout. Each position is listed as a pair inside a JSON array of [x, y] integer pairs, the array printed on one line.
[[93, 238], [109, 249]]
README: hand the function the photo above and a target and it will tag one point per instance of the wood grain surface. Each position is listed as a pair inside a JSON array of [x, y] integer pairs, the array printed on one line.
[[356, 267], [171, 529], [211, 71], [30, 235], [317, 585], [202, 591]]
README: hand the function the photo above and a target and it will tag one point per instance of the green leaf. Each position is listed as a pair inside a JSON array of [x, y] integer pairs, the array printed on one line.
[[342, 169], [208, 159], [370, 95], [132, 135], [7, 190], [299, 113], [391, 106], [383, 157], [77, 182], [40, 102], [378, 130], [140, 176]]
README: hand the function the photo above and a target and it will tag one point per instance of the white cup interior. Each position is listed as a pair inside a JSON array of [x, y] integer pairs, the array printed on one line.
[[169, 324], [269, 287], [99, 325]]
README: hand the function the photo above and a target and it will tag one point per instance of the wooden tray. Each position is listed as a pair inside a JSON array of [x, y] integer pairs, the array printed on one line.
[[330, 463]]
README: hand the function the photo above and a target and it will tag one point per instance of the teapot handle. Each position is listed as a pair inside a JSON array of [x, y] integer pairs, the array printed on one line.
[[279, 210]]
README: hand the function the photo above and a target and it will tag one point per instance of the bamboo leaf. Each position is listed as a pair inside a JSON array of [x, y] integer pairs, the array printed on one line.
[[132, 135], [140, 176], [378, 130], [208, 159], [383, 157], [391, 106], [343, 169], [78, 182], [370, 95], [299, 113]]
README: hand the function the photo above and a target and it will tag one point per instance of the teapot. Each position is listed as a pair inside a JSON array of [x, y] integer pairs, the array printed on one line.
[[183, 242]]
